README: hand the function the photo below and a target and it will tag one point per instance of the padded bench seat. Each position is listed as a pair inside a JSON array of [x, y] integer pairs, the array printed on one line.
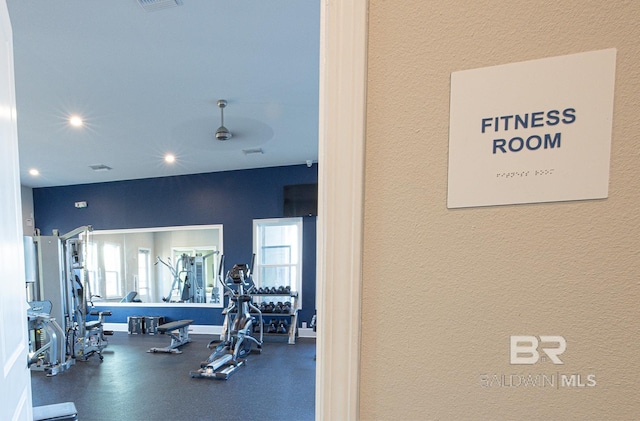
[[168, 327], [93, 324], [65, 411]]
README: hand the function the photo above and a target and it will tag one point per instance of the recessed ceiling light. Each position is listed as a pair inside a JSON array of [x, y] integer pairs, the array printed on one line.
[[169, 158], [75, 121], [34, 172]]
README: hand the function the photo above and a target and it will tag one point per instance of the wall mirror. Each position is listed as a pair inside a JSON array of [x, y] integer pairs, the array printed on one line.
[[156, 266]]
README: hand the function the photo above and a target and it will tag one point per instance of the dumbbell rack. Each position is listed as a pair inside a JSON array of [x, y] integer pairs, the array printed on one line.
[[293, 321]]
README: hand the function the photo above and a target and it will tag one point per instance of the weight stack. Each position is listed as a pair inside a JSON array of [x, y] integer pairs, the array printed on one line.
[[135, 325], [151, 324]]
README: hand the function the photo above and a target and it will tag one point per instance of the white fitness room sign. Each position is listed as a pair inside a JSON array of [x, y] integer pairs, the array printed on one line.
[[535, 131]]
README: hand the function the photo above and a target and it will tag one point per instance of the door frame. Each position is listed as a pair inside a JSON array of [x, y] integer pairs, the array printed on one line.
[[342, 123]]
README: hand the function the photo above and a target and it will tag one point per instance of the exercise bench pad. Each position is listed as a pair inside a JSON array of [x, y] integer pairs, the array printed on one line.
[[168, 327], [55, 412]]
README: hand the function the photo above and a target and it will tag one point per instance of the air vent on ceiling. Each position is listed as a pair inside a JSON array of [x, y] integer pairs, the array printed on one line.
[[100, 167], [154, 5], [252, 151]]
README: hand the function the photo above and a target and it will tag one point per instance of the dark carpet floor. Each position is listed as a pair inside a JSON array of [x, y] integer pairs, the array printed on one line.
[[131, 384]]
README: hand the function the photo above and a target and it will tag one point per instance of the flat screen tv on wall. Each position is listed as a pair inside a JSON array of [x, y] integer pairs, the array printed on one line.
[[301, 200]]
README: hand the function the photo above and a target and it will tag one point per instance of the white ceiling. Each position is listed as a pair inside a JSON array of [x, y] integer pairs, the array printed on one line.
[[147, 83]]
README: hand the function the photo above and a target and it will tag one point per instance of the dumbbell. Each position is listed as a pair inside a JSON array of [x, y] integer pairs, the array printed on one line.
[[273, 328], [283, 327]]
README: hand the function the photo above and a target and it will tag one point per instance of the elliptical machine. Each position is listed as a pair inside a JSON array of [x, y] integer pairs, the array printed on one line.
[[236, 340]]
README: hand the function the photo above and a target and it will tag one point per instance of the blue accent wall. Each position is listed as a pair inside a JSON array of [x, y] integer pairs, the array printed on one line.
[[232, 198]]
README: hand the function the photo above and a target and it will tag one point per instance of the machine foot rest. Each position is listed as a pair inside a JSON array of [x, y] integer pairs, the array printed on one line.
[[222, 373], [173, 349]]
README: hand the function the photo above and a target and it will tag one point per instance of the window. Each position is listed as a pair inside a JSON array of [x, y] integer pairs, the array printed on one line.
[[277, 244], [144, 273], [92, 269], [112, 270]]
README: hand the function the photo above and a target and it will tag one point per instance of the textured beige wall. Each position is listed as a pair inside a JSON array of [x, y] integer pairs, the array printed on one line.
[[444, 289]]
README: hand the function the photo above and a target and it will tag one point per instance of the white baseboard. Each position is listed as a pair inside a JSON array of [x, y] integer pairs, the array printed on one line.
[[195, 329], [306, 332], [204, 329], [116, 327]]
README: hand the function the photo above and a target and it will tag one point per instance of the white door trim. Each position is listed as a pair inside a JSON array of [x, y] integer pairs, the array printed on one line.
[[15, 380], [343, 65]]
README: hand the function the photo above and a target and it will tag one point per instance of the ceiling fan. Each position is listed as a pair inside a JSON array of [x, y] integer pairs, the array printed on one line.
[[222, 133]]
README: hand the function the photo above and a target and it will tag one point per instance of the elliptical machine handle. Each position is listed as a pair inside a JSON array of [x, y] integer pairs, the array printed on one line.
[[225, 286], [249, 276]]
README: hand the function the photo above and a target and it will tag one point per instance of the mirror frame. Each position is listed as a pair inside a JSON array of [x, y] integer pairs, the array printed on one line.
[[123, 231]]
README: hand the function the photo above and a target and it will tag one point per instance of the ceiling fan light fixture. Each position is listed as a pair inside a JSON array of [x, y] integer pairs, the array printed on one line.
[[222, 133]]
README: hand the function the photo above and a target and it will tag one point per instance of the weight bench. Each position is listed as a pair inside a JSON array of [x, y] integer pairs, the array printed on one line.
[[179, 339]]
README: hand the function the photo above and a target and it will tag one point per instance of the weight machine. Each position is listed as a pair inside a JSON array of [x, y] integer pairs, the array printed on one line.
[[60, 297], [236, 340], [189, 283], [46, 338]]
